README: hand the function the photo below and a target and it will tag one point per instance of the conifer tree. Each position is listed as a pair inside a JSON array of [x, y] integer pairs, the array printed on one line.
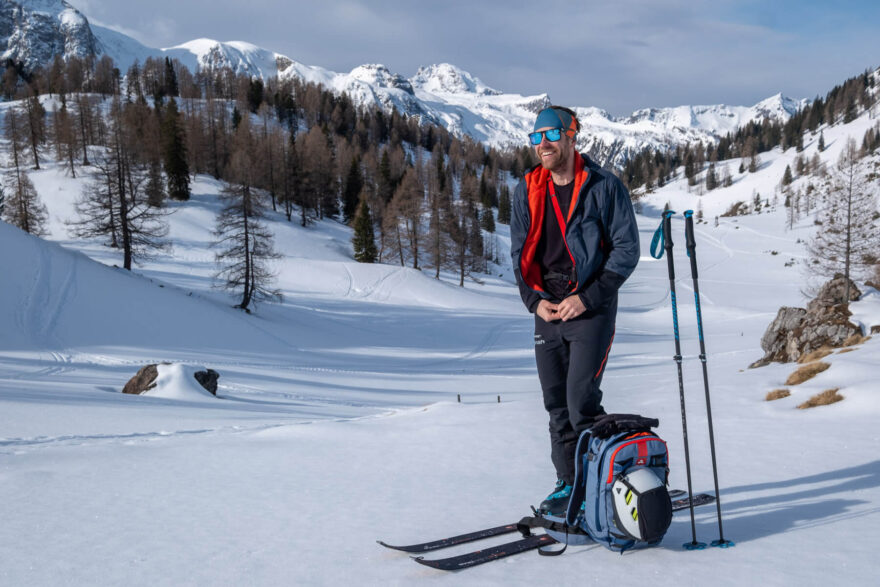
[[848, 239], [504, 205], [244, 241], [384, 181], [85, 123], [354, 183], [171, 87], [487, 220], [786, 177], [409, 204], [24, 208], [364, 239], [711, 178], [174, 153], [317, 187], [690, 170], [456, 225], [36, 124], [463, 230], [290, 178], [754, 163], [154, 189], [113, 203], [65, 137], [726, 179]]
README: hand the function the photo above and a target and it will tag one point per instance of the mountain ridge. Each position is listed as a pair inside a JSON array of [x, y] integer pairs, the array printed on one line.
[[33, 31]]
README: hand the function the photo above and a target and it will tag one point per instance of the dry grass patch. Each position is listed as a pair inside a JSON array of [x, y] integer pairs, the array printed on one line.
[[846, 350], [829, 396], [777, 394], [816, 355], [856, 339], [806, 372]]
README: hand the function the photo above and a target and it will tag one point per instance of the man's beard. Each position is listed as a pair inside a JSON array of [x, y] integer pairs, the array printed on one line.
[[556, 161]]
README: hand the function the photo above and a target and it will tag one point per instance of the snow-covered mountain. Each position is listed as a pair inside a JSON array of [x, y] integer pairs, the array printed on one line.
[[33, 31]]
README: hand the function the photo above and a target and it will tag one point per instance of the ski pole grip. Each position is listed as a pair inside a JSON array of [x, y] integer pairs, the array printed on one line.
[[689, 229], [667, 241], [667, 230], [690, 242]]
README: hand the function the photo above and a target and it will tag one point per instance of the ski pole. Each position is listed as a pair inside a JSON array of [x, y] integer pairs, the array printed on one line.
[[691, 246], [664, 234]]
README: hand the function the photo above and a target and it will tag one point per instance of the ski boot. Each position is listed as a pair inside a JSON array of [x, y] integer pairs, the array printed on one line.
[[557, 501]]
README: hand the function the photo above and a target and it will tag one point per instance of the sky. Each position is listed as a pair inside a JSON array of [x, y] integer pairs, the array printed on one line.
[[619, 56]]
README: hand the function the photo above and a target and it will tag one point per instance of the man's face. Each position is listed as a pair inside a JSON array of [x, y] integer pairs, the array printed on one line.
[[554, 156]]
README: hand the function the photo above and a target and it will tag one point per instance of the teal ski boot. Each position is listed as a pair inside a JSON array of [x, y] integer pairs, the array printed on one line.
[[556, 502]]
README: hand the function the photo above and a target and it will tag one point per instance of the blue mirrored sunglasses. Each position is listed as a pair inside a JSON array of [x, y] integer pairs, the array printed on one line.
[[553, 135]]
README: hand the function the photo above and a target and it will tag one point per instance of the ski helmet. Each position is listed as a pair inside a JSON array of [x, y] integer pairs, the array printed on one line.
[[642, 508]]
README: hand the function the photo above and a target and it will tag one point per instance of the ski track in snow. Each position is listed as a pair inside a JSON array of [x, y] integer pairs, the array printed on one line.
[[14, 445]]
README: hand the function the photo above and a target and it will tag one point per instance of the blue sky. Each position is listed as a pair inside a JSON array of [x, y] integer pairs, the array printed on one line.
[[617, 56]]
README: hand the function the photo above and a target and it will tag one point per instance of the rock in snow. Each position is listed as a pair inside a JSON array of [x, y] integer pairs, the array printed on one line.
[[173, 381], [796, 331]]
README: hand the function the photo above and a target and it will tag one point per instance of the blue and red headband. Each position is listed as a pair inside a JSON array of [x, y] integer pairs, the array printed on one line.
[[556, 118]]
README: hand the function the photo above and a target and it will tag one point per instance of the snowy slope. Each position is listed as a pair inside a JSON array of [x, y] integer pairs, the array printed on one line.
[[336, 421]]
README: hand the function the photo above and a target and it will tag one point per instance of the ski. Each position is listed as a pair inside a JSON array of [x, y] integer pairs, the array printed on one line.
[[453, 541], [679, 503], [478, 557], [699, 499]]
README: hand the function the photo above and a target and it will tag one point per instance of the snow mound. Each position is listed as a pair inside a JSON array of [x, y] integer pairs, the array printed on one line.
[[177, 381], [866, 311]]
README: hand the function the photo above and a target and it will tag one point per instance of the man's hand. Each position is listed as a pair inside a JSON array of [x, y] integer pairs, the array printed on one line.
[[569, 308], [547, 311]]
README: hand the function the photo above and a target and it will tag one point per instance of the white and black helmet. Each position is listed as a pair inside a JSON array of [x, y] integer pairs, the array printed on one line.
[[642, 508]]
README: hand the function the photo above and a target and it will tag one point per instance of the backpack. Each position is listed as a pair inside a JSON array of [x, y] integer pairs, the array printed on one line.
[[619, 497]]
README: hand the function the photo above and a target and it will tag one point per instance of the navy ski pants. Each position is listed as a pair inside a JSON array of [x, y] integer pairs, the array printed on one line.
[[571, 358]]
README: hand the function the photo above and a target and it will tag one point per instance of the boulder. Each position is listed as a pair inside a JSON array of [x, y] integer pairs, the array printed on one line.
[[208, 380], [145, 380], [142, 381], [833, 292], [796, 331]]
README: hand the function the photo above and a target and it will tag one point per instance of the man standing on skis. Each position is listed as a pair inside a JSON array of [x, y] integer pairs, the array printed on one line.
[[574, 241]]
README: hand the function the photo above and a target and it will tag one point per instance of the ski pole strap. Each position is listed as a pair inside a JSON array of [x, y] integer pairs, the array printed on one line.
[[659, 241]]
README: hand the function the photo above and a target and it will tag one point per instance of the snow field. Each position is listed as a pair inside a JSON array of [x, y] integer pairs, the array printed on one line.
[[336, 422]]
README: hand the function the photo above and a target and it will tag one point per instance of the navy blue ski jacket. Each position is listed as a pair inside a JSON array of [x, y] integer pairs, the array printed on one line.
[[601, 235]]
